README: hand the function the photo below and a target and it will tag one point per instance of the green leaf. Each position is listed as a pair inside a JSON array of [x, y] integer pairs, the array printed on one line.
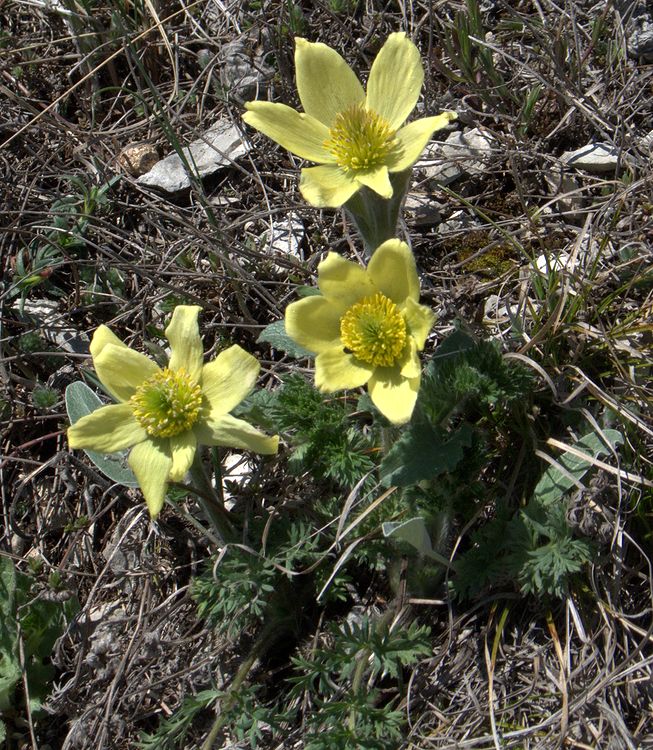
[[275, 335], [412, 531], [424, 452], [307, 291], [554, 483], [80, 401], [455, 344], [7, 588], [39, 678], [10, 676], [10, 673], [257, 408]]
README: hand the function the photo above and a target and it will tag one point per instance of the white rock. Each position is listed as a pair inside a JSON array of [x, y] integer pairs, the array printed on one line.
[[219, 147], [236, 468], [496, 311], [597, 158], [548, 262], [462, 153], [646, 142], [579, 253], [283, 240], [55, 327]]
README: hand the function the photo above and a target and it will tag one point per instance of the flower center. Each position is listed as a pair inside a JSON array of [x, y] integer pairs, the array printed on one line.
[[167, 403], [374, 330], [360, 139]]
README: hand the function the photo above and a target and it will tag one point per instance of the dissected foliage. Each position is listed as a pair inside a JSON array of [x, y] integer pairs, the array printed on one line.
[[540, 259]]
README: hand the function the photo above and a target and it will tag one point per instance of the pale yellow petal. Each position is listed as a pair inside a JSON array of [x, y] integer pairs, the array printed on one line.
[[107, 430], [343, 282], [228, 379], [326, 84], [314, 323], [151, 462], [121, 370], [183, 333], [392, 270], [395, 80], [410, 365], [419, 320], [300, 134], [101, 338], [378, 181], [335, 371], [392, 394], [231, 432], [327, 186], [182, 450], [413, 139]]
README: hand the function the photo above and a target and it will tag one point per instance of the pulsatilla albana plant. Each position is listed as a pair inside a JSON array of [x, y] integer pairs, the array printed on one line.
[[366, 327], [163, 414], [358, 138]]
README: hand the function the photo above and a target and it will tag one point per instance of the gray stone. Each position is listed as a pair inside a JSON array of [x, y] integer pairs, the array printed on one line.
[[462, 153], [638, 28], [242, 73], [640, 41], [597, 158], [421, 210], [218, 148], [458, 221], [566, 187]]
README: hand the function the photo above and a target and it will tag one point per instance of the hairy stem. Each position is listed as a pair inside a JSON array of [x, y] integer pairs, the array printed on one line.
[[375, 217], [270, 634], [211, 502]]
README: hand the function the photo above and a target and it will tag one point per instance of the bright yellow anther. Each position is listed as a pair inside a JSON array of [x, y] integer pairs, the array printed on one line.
[[360, 139], [374, 330], [168, 403]]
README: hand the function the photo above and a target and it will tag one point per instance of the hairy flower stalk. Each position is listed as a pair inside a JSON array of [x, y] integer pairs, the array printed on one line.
[[366, 327], [359, 138], [163, 414]]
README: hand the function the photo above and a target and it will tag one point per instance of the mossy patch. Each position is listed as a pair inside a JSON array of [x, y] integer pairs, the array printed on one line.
[[482, 255]]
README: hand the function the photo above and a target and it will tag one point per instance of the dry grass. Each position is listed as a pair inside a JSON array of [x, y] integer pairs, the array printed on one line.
[[79, 84]]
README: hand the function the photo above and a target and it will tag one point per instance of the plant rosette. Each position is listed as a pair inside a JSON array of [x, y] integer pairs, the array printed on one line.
[[163, 414], [366, 327], [357, 138]]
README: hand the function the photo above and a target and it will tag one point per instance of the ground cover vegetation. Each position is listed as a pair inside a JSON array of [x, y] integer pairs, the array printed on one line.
[[361, 457]]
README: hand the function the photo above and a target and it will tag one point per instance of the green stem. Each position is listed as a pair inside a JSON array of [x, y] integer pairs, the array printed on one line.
[[211, 503], [389, 436], [375, 217], [268, 637], [357, 680]]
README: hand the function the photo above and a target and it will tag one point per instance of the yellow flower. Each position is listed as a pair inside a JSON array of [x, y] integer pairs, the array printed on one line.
[[366, 327], [358, 138], [164, 413]]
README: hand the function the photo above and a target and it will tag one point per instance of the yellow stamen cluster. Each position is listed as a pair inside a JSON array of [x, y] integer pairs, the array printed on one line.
[[374, 330], [168, 403], [360, 139]]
